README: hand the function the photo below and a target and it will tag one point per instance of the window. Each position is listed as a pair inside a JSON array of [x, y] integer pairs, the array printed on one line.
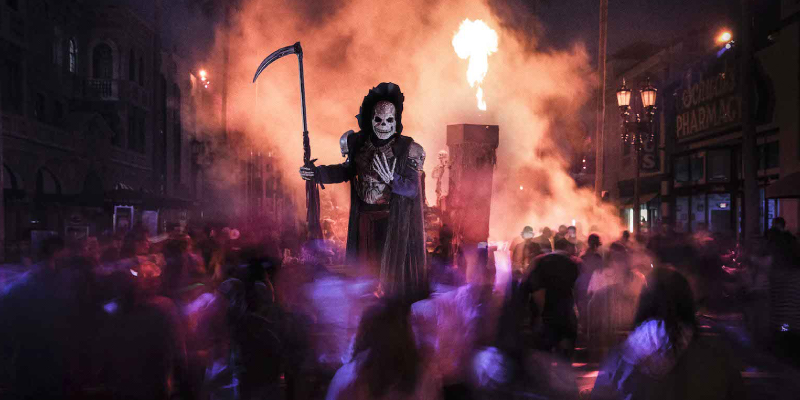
[[58, 48], [73, 56], [102, 62], [719, 213], [769, 155], [698, 206], [38, 107], [682, 169], [719, 165], [132, 67], [58, 112], [697, 167], [141, 71], [11, 86]]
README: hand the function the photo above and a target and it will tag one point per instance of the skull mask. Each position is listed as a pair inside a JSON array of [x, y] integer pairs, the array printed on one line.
[[384, 123]]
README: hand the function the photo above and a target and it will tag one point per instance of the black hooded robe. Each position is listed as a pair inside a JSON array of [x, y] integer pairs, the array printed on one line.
[[402, 261]]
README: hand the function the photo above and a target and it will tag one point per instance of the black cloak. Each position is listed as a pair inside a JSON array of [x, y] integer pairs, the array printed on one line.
[[403, 261]]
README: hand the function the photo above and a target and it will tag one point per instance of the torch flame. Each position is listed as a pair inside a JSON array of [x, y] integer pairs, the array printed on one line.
[[475, 41]]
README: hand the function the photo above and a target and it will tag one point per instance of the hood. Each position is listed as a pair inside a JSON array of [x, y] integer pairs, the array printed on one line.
[[384, 91], [650, 349]]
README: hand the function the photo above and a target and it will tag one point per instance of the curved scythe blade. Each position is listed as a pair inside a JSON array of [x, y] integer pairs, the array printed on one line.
[[284, 51]]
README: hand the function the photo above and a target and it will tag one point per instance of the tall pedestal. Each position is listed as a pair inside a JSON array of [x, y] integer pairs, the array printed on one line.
[[472, 160]]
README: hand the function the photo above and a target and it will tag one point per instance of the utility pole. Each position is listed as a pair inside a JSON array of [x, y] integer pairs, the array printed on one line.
[[751, 196], [601, 102]]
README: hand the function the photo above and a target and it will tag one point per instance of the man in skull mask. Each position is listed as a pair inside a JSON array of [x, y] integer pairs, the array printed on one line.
[[386, 228]]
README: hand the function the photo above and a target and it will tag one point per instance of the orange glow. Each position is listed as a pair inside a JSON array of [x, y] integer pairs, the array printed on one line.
[[476, 41], [724, 37]]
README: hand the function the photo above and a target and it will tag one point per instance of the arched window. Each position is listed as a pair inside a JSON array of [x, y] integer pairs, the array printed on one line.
[[132, 67], [141, 71], [73, 55], [102, 62], [47, 183]]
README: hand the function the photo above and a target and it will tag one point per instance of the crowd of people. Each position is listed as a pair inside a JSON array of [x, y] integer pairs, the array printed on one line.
[[223, 314]]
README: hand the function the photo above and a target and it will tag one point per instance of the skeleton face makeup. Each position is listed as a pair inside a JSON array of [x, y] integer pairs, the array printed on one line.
[[384, 123]]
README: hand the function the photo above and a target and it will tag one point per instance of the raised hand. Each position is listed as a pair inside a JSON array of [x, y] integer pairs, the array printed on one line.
[[307, 173], [381, 165]]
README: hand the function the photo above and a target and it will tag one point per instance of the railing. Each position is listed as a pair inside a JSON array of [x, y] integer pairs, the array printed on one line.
[[104, 89]]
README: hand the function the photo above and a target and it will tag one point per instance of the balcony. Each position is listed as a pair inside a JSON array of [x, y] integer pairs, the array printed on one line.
[[102, 89]]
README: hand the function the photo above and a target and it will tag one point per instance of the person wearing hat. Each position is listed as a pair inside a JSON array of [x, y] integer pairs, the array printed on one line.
[[524, 252]]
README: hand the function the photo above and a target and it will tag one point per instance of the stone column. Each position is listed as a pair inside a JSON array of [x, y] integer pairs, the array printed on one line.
[[472, 161]]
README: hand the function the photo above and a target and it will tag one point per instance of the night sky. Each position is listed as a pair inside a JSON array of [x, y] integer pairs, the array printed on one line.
[[561, 23]]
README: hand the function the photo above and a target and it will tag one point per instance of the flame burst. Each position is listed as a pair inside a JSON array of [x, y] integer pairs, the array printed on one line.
[[476, 41]]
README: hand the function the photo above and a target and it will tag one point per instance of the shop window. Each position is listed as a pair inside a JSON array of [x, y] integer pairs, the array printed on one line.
[[102, 62], [682, 213], [682, 169], [772, 207], [719, 213], [719, 165], [697, 164], [768, 155], [698, 207]]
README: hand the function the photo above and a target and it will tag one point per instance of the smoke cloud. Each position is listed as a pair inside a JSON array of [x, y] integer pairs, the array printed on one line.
[[533, 94]]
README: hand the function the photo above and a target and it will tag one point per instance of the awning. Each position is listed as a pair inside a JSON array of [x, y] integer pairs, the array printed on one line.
[[643, 199], [785, 187]]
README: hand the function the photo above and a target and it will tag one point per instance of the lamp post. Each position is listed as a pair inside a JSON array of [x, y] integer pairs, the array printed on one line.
[[636, 133]]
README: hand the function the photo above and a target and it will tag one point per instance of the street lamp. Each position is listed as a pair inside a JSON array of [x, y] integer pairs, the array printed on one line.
[[637, 133]]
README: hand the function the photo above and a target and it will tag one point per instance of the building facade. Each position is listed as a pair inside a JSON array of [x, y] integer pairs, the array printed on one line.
[[691, 174], [91, 122]]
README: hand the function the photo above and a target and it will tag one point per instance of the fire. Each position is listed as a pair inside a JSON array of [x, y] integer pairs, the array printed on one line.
[[475, 41]]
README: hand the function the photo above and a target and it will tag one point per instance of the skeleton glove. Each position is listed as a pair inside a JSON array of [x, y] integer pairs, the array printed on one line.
[[307, 173], [381, 166]]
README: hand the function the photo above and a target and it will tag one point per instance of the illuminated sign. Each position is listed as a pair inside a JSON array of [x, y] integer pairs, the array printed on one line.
[[711, 103]]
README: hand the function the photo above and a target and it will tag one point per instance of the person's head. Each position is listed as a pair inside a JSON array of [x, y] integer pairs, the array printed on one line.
[[135, 244], [53, 248], [385, 331], [562, 244], [527, 232], [626, 236], [594, 241], [562, 230], [547, 233], [572, 232], [667, 297], [618, 258], [779, 223]]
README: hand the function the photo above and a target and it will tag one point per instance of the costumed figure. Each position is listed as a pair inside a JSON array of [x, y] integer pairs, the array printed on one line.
[[386, 227]]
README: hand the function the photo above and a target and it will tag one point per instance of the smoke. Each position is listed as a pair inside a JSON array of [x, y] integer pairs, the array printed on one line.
[[534, 94]]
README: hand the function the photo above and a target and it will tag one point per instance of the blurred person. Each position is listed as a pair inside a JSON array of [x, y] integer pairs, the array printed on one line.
[[613, 293], [784, 289], [561, 233], [143, 337], [625, 239], [386, 363], [591, 261], [545, 240], [442, 260], [572, 237], [555, 274], [523, 252], [664, 357], [38, 330]]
